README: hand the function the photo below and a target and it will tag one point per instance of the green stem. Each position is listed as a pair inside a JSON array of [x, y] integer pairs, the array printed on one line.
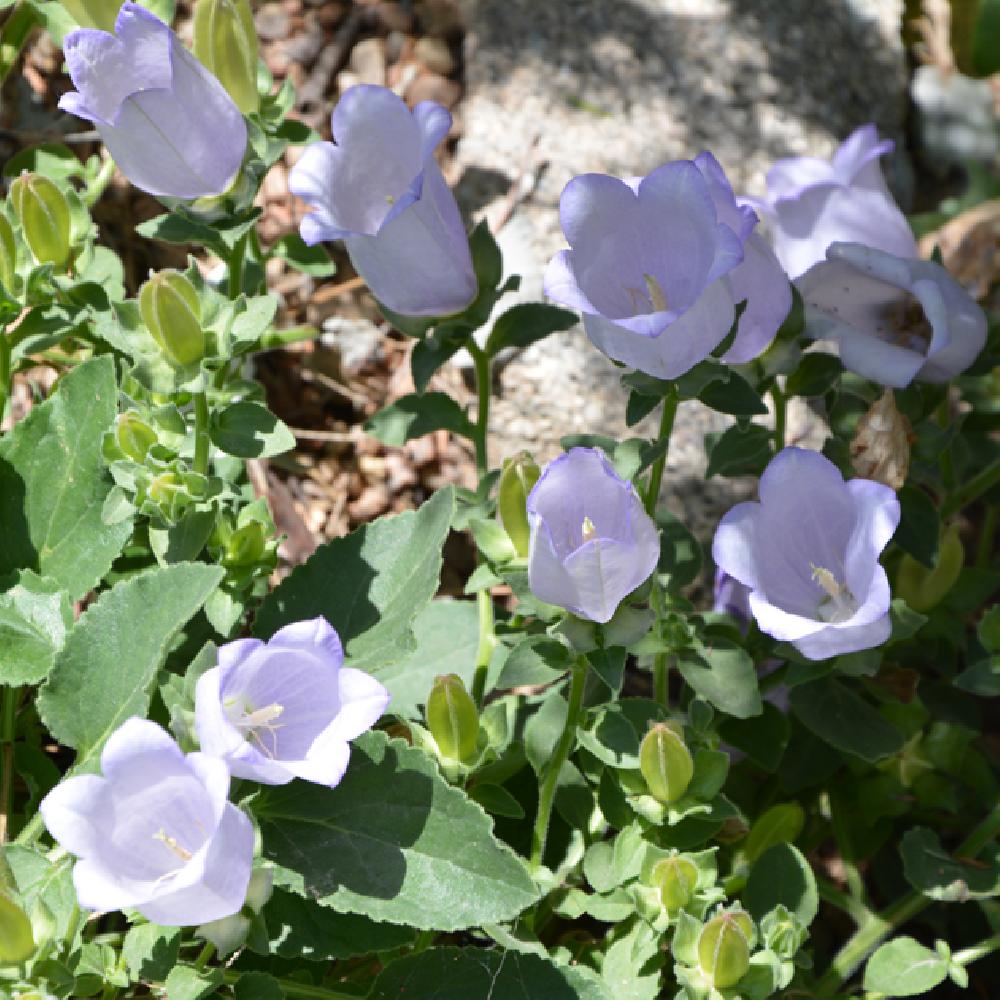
[[204, 956], [969, 955], [947, 462], [661, 661], [547, 793], [8, 719], [291, 988], [780, 411], [201, 438], [487, 643], [5, 351], [855, 909], [235, 263], [93, 193], [987, 536], [14, 37], [293, 335], [483, 391], [972, 490], [871, 934], [656, 472], [31, 831]]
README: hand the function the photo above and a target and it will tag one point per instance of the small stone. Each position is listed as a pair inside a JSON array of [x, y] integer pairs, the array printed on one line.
[[392, 17], [435, 55], [440, 17], [432, 87], [272, 22], [368, 61]]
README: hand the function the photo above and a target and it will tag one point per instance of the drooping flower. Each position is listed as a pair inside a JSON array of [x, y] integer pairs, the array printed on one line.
[[286, 708], [155, 833], [169, 124], [812, 203], [656, 265], [894, 319], [808, 551], [379, 189], [591, 541]]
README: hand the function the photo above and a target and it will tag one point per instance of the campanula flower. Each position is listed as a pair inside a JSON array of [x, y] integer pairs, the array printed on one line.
[[654, 265], [895, 319], [730, 597], [591, 541], [286, 708], [378, 188], [812, 203], [169, 124], [155, 833], [808, 551]]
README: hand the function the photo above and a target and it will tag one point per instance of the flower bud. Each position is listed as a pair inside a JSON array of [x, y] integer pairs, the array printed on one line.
[[923, 588], [452, 718], [134, 436], [517, 478], [226, 43], [45, 217], [724, 948], [8, 255], [676, 878], [93, 13], [665, 763], [171, 310], [17, 943], [245, 545], [164, 488]]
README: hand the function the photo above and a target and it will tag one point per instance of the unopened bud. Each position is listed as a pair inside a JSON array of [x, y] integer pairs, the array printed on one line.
[[724, 948], [17, 942], [923, 588], [246, 545], [665, 763], [171, 310], [880, 448], [452, 718], [45, 217], [676, 878], [134, 436], [517, 478], [93, 13], [226, 42], [8, 255]]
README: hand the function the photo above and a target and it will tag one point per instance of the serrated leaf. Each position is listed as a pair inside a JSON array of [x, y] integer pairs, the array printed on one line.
[[150, 951], [111, 657], [382, 843], [904, 968], [250, 430], [52, 484], [34, 618], [526, 324], [369, 585], [782, 875], [187, 983], [416, 415]]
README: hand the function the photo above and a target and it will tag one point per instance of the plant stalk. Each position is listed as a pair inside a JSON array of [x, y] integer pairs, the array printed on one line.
[[972, 490], [483, 391], [235, 262], [8, 720], [969, 955], [670, 402], [202, 442], [487, 643], [780, 416]]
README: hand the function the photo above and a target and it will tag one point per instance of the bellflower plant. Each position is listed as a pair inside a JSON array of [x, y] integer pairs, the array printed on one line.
[[379, 189], [808, 551], [155, 833], [812, 203], [654, 265], [286, 708], [591, 541], [894, 319], [167, 121]]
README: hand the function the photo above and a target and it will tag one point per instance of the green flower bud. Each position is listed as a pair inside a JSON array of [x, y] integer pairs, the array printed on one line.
[[923, 588], [8, 255], [724, 948], [93, 13], [164, 488], [226, 42], [45, 217], [517, 478], [676, 878], [665, 763], [17, 943], [245, 545], [452, 718], [134, 436], [171, 310]]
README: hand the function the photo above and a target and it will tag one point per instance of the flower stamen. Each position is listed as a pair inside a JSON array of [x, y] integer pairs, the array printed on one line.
[[589, 530], [839, 604], [173, 844]]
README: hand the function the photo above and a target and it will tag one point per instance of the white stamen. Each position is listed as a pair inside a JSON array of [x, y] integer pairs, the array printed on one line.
[[589, 530], [262, 719], [182, 852], [827, 581], [390, 199], [839, 603], [656, 294]]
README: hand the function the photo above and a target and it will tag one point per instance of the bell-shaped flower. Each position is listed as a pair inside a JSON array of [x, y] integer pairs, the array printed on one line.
[[812, 203], [286, 708], [654, 265], [895, 319], [378, 188], [730, 597], [592, 543], [167, 121], [809, 552], [155, 833]]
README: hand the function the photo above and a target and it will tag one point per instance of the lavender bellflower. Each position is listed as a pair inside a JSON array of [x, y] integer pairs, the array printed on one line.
[[286, 708], [591, 541], [894, 319], [169, 124], [379, 189], [656, 265], [155, 833], [809, 552], [812, 203]]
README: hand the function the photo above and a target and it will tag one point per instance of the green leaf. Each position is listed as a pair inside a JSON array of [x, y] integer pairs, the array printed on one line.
[[782, 875], [477, 974], [985, 50], [538, 659], [735, 396], [39, 880], [187, 983], [527, 323], [35, 616], [739, 451], [52, 484], [369, 585], [257, 986], [982, 678], [723, 674], [930, 869], [838, 716], [904, 968], [382, 843], [919, 525], [219, 236], [111, 657], [416, 415], [988, 629], [497, 801], [817, 372], [780, 824], [680, 551], [432, 352], [763, 738], [309, 260], [150, 951], [250, 430], [57, 162]]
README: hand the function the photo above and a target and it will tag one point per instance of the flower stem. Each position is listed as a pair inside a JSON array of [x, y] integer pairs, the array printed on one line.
[[8, 719], [235, 264], [780, 409], [656, 472], [872, 933], [972, 490], [987, 536], [483, 390], [547, 793], [969, 955], [94, 191], [204, 956], [201, 438], [5, 350], [487, 643]]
